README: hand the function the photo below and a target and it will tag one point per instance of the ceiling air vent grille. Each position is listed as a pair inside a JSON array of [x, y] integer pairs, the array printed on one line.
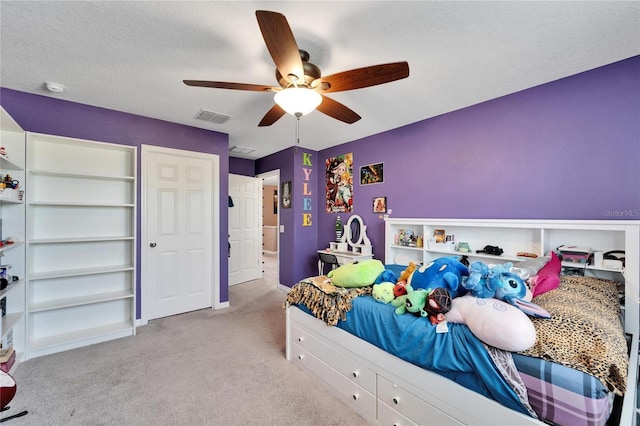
[[241, 149], [211, 117]]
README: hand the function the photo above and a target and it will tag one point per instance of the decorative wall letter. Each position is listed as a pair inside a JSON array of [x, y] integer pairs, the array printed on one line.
[[306, 191]]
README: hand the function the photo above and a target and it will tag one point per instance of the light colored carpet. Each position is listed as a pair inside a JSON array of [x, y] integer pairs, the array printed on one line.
[[206, 367]]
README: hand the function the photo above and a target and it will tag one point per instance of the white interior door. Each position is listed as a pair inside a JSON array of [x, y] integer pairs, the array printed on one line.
[[245, 229], [178, 222]]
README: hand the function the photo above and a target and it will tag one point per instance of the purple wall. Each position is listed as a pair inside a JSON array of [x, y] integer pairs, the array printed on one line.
[[569, 149], [42, 114], [242, 166], [297, 253]]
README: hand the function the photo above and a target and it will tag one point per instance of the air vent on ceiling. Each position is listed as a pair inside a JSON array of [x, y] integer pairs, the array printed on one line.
[[210, 116], [241, 149]]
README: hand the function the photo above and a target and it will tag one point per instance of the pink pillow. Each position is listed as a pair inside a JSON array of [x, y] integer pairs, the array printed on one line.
[[548, 278]]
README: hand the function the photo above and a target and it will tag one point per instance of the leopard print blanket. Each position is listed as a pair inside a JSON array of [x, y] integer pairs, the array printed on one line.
[[325, 301], [585, 331]]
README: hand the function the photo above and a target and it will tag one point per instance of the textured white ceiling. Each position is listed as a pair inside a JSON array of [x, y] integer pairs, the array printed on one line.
[[132, 56]]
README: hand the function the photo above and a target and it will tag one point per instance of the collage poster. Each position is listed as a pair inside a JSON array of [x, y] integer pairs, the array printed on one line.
[[339, 184]]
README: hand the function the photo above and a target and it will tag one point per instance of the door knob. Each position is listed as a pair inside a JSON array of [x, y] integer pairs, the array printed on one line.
[[152, 245]]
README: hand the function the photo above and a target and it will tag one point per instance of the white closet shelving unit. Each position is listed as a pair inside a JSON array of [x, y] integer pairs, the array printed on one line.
[[12, 213], [81, 242]]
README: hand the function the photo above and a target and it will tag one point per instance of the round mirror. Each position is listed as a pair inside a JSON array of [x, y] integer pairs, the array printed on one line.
[[354, 230]]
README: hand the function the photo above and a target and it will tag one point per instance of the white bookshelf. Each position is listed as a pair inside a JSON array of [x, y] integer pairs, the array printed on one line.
[[12, 213], [81, 242]]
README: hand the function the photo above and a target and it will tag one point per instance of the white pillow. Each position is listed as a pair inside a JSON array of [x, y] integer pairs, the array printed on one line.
[[493, 321], [530, 267]]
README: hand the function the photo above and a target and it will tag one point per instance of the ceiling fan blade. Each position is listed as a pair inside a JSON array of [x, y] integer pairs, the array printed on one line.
[[227, 85], [281, 44], [338, 111], [362, 77], [272, 116]]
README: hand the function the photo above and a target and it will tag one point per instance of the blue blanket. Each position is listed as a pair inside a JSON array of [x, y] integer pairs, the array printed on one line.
[[457, 355]]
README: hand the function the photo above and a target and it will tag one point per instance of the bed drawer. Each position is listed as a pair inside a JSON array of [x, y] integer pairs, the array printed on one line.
[[387, 416], [356, 396], [410, 406], [352, 370]]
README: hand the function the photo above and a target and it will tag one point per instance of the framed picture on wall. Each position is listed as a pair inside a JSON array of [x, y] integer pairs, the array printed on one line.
[[380, 204], [372, 173], [286, 194], [339, 183]]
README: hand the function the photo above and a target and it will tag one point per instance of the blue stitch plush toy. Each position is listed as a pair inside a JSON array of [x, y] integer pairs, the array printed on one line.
[[497, 281]]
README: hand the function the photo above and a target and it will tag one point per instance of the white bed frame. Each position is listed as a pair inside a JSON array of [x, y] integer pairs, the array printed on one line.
[[387, 390]]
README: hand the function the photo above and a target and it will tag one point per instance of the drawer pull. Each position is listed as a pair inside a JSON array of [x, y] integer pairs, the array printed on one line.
[[300, 339], [356, 397], [356, 373], [396, 400], [301, 357]]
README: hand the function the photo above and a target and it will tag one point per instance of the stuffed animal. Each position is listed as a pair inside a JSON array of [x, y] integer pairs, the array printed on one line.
[[497, 281], [413, 301], [425, 303], [400, 289], [438, 304], [356, 274], [493, 321], [444, 272], [386, 276], [404, 276], [383, 292], [477, 282], [399, 303]]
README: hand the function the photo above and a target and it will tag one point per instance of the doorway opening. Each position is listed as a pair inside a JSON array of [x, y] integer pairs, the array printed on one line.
[[271, 206]]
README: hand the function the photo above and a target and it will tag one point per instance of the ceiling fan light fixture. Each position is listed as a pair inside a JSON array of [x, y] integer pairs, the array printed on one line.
[[298, 101]]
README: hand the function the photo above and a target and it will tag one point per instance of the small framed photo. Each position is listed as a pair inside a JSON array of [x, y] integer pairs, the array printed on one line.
[[286, 195], [439, 235], [372, 173], [380, 204]]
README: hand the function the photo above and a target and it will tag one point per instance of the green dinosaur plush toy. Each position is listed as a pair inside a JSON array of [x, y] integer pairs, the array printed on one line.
[[414, 302], [399, 303], [356, 274]]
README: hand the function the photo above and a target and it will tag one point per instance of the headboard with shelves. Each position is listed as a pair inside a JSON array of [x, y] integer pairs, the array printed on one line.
[[530, 236]]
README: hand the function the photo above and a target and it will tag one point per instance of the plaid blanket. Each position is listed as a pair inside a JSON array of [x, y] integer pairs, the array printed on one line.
[[325, 301]]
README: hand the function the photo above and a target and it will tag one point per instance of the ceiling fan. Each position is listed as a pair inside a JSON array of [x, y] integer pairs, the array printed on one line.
[[302, 86]]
